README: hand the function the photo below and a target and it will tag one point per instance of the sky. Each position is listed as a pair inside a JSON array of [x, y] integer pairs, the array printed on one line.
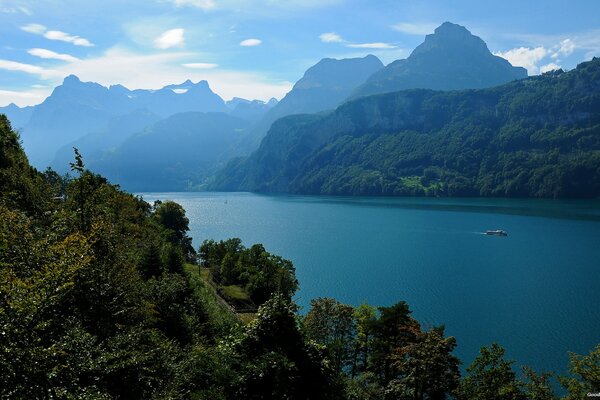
[[257, 49]]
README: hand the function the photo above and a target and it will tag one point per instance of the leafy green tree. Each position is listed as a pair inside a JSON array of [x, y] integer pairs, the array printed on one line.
[[490, 376], [366, 318], [172, 216], [538, 387], [272, 360], [427, 368], [584, 375], [393, 329], [331, 323]]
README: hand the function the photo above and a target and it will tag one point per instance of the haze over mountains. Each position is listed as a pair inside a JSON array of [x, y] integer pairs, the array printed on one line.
[[110, 125]]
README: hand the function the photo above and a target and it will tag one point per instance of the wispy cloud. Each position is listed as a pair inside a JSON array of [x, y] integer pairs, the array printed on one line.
[[16, 10], [34, 28], [422, 28], [49, 54], [331, 37], [250, 42], [25, 97], [202, 4], [8, 65], [171, 38], [56, 35], [375, 45], [200, 65]]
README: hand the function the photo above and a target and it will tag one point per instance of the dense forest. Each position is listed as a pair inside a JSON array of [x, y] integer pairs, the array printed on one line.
[[536, 137], [102, 296]]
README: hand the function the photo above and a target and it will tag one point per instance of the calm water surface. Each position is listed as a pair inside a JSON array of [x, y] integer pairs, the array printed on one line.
[[536, 292]]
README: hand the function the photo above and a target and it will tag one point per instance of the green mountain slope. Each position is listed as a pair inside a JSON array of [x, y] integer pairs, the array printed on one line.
[[536, 137]]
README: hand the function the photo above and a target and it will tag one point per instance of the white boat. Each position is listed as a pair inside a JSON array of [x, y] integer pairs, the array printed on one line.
[[496, 232]]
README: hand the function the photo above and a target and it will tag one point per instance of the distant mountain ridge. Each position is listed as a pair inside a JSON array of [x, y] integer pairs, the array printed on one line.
[[537, 137], [449, 59], [324, 86], [77, 108]]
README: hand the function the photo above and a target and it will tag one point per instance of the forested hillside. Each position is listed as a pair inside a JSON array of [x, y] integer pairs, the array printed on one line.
[[538, 137], [101, 298]]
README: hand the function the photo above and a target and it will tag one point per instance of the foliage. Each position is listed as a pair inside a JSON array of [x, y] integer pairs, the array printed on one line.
[[260, 273]]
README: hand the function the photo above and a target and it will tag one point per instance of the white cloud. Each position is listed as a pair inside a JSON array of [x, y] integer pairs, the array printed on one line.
[[34, 28], [409, 28], [565, 48], [202, 4], [526, 57], [24, 98], [49, 54], [56, 35], [549, 67], [65, 37], [250, 42], [375, 45], [27, 68], [170, 38], [200, 65], [331, 37]]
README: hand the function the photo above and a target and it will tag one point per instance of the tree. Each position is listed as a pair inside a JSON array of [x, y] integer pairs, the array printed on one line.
[[427, 367], [332, 324], [585, 375], [172, 216], [393, 329], [366, 318], [490, 377], [272, 359]]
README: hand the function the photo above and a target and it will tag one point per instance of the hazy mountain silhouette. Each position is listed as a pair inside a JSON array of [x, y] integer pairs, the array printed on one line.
[[175, 153], [18, 116], [75, 109], [324, 86], [449, 59]]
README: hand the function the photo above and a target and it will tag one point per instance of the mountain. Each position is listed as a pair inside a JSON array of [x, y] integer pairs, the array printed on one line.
[[324, 86], [174, 154], [251, 110], [536, 137], [449, 59], [18, 116], [94, 145], [173, 99], [77, 108]]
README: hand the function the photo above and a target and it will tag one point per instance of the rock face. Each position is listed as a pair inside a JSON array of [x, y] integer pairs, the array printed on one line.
[[449, 59]]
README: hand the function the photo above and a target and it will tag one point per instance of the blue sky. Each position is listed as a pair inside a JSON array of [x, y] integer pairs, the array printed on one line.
[[259, 48]]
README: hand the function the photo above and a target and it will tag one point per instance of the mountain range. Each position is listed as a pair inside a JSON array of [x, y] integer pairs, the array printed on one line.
[[536, 137], [107, 124]]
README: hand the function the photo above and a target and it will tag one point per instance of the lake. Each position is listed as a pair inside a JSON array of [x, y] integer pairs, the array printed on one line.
[[536, 291]]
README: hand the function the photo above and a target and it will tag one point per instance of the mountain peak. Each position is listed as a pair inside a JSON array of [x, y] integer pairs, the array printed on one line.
[[71, 80], [454, 38], [449, 28]]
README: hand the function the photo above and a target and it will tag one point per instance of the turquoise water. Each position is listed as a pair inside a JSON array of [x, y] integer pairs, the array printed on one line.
[[536, 292]]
